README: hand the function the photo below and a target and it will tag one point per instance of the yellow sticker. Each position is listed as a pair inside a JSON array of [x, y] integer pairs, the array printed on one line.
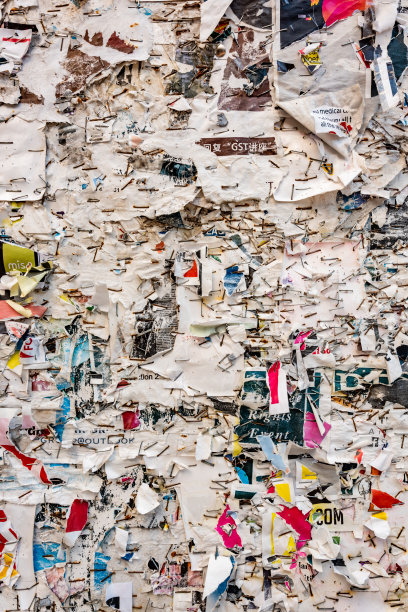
[[14, 360], [308, 474], [237, 448], [283, 490], [291, 548], [16, 258]]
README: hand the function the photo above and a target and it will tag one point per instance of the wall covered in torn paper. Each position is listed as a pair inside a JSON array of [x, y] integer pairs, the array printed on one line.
[[203, 280]]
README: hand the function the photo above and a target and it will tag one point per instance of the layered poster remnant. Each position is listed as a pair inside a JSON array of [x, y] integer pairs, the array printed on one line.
[[203, 287]]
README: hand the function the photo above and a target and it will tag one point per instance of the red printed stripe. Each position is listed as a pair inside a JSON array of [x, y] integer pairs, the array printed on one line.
[[78, 515], [17, 40], [273, 378], [28, 462]]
